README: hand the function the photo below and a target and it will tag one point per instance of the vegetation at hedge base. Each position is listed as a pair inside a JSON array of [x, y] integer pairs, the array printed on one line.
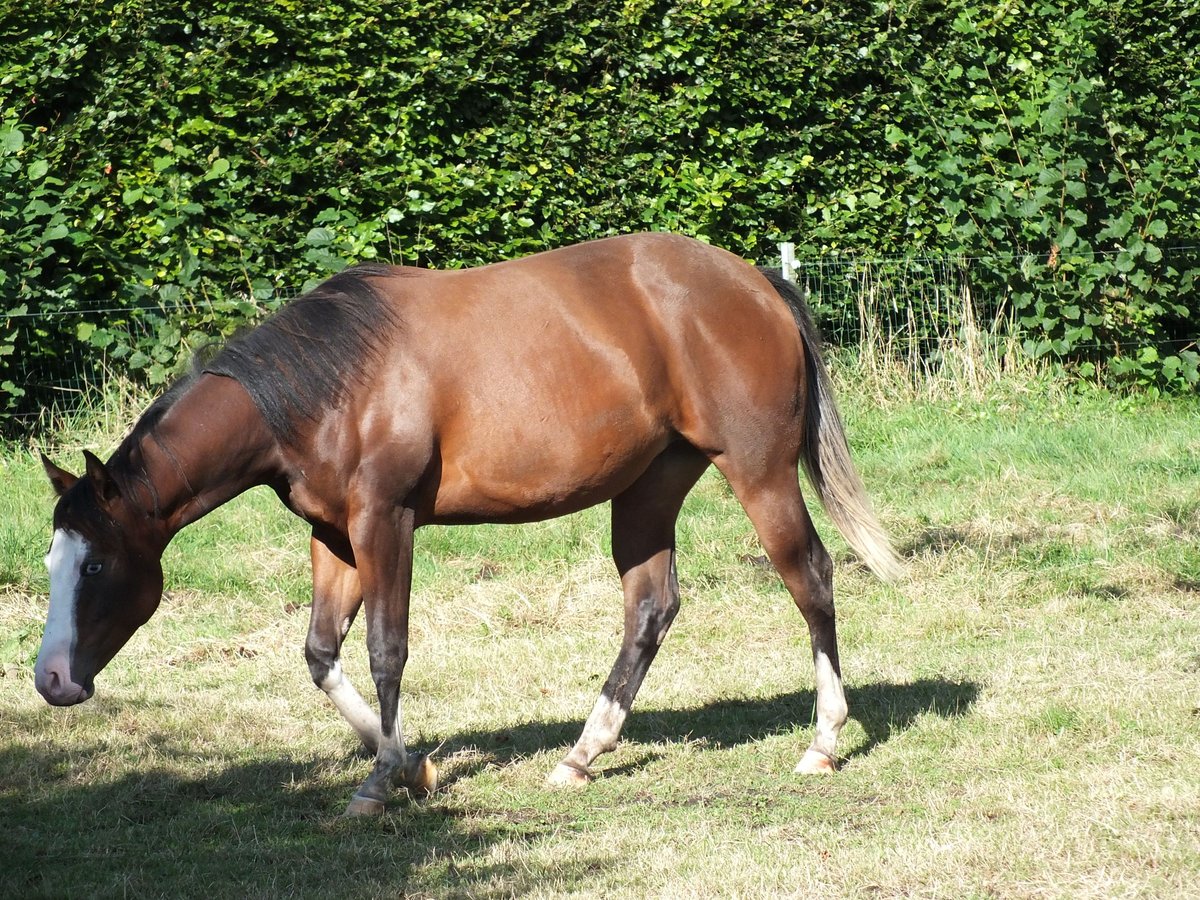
[[170, 171]]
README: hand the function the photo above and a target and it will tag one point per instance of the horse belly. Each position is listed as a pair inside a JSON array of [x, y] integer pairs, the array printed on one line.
[[524, 468]]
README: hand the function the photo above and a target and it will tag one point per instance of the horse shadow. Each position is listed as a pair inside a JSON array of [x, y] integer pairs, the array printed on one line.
[[881, 708], [262, 828], [270, 827]]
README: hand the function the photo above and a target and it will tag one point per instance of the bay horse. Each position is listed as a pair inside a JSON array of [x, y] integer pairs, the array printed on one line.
[[390, 397]]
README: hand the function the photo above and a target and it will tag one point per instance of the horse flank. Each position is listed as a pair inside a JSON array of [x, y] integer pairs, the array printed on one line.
[[310, 352]]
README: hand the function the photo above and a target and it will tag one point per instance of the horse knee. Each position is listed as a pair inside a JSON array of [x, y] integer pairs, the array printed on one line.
[[323, 661], [387, 666], [322, 671]]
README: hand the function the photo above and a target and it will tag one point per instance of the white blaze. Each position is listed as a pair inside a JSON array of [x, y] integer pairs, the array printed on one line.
[[67, 553]]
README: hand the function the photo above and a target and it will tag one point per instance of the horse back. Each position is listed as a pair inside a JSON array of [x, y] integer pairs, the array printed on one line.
[[549, 383]]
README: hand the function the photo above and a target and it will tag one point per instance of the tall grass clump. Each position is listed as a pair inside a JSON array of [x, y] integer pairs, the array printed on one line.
[[96, 417], [911, 328]]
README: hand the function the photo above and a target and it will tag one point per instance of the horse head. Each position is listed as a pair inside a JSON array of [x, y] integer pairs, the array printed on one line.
[[105, 580]]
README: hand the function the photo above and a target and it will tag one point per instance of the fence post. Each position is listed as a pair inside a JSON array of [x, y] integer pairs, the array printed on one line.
[[787, 261]]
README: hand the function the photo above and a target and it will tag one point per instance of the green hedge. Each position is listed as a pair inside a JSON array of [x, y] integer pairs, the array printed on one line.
[[189, 164]]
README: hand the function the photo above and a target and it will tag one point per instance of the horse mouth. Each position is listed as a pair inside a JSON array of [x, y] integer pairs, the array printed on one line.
[[68, 693]]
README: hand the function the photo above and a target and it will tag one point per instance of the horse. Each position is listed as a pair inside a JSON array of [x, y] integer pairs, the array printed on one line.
[[392, 397]]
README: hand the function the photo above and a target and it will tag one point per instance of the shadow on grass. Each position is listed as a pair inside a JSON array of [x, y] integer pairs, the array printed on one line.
[[881, 709], [940, 540], [266, 828], [269, 827]]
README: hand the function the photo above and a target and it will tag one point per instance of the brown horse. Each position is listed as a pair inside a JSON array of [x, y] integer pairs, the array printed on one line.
[[390, 398]]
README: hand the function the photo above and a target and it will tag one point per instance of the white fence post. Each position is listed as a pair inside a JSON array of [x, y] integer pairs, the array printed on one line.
[[787, 264]]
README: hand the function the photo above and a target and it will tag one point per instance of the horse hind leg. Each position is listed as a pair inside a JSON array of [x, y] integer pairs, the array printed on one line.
[[337, 597], [643, 541], [777, 511]]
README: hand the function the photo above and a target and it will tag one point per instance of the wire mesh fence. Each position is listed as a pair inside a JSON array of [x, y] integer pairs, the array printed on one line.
[[918, 304], [920, 310], [920, 299], [58, 360], [35, 384]]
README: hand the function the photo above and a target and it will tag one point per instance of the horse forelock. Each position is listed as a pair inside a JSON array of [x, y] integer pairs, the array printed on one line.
[[79, 511], [303, 359]]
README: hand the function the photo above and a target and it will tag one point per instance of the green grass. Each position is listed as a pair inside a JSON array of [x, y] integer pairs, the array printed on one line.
[[1025, 707]]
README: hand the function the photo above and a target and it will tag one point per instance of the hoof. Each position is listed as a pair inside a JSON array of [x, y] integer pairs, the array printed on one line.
[[565, 776], [421, 779], [363, 806], [815, 762]]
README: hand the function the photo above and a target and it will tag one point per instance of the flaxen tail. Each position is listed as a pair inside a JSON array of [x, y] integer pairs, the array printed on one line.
[[826, 455]]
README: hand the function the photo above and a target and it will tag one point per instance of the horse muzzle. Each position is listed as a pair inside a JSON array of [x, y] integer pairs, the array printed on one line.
[[58, 689]]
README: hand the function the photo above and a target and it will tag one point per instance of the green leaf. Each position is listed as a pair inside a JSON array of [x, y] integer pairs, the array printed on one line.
[[11, 138], [1119, 226]]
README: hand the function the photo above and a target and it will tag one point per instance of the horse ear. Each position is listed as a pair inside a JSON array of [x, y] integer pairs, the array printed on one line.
[[60, 478], [106, 488]]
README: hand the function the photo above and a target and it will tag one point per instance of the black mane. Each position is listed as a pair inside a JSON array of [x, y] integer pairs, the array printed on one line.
[[303, 358]]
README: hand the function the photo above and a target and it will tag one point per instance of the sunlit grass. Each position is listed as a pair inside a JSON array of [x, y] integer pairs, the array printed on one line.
[[1024, 706]]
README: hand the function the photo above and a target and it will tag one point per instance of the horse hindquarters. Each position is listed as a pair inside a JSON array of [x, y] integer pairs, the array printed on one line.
[[764, 478], [778, 412]]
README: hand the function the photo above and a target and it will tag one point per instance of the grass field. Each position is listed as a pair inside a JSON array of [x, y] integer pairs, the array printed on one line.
[[1025, 706]]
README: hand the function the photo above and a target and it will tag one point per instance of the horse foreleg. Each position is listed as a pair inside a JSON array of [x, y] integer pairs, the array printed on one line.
[[643, 540], [337, 596], [383, 552]]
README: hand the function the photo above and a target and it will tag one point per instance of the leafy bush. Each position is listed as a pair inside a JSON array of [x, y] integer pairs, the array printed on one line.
[[173, 170], [1065, 136]]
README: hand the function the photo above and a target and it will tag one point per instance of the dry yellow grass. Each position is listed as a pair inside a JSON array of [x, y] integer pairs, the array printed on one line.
[[1024, 706]]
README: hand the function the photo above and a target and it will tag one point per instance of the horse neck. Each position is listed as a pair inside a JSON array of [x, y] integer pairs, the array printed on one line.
[[209, 446]]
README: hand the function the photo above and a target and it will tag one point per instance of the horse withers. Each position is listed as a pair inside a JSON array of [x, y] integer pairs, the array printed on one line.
[[389, 398]]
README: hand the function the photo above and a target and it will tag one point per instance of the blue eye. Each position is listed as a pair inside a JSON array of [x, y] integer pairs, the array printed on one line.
[[91, 568]]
